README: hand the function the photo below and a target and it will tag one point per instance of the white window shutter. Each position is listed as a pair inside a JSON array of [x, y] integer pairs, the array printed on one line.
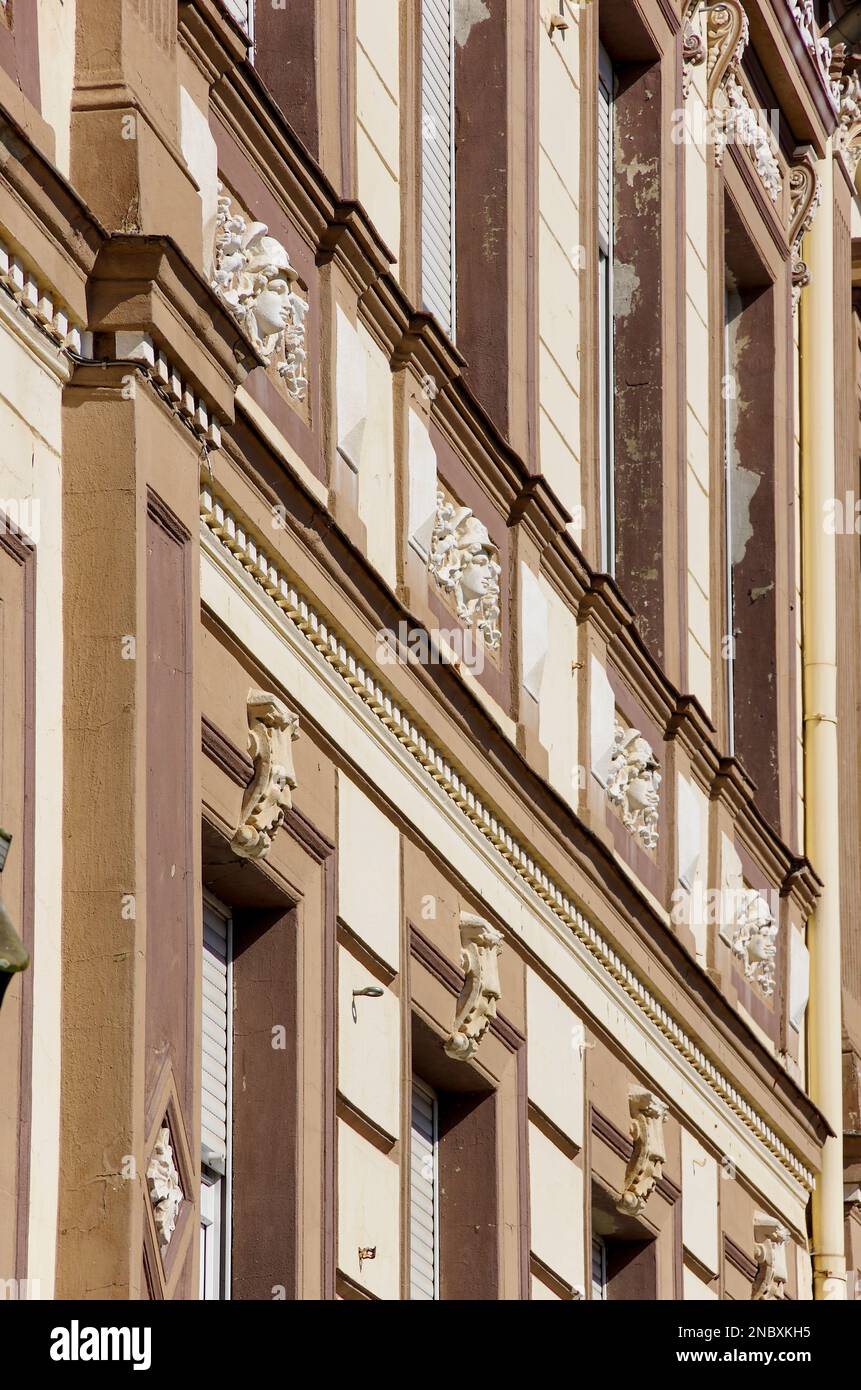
[[216, 1029], [599, 1268], [438, 249], [424, 1196], [242, 11]]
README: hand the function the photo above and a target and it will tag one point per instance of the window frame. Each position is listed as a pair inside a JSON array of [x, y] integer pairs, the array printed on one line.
[[210, 1178]]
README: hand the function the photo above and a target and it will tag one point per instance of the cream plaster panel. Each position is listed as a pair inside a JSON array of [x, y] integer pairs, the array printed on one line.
[[804, 1269], [699, 538], [693, 820], [534, 631], [556, 1047], [368, 1214], [229, 593], [602, 721], [698, 613], [697, 356], [423, 484], [200, 154], [378, 116], [369, 872], [695, 1290], [541, 1293], [557, 724], [30, 416], [377, 507], [56, 23], [731, 881], [699, 1202], [698, 450], [556, 1208], [560, 466], [699, 673], [369, 1045], [351, 390], [799, 978]]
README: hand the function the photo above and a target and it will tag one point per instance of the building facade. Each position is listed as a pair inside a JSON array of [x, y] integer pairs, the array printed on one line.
[[430, 586]]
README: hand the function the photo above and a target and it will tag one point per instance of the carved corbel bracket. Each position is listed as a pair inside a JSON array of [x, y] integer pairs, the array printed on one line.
[[271, 732], [647, 1161], [476, 1006], [769, 1251], [727, 34], [804, 192]]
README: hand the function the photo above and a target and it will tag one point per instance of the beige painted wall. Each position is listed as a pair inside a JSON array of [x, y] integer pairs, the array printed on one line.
[[559, 256], [378, 116], [700, 597], [30, 399], [57, 71]]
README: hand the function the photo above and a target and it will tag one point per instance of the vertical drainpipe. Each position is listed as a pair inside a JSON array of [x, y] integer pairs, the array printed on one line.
[[821, 765]]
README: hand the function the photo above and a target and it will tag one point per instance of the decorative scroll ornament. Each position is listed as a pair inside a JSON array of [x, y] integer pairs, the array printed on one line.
[[769, 1252], [165, 1188], [753, 937], [693, 49], [727, 34], [847, 94], [818, 48], [736, 122], [253, 277], [465, 564], [805, 191], [647, 1161], [271, 732], [633, 784], [476, 1006]]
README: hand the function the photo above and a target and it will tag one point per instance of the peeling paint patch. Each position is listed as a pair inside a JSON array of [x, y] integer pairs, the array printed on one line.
[[626, 283], [468, 13], [743, 489], [761, 591]]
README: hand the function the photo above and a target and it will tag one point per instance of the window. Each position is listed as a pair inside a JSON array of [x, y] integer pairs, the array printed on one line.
[[215, 1125], [243, 12], [424, 1194], [599, 1269], [438, 210], [732, 311], [606, 90]]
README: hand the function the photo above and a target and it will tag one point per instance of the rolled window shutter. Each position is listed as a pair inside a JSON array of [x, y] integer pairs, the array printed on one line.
[[215, 1040], [438, 253], [424, 1196]]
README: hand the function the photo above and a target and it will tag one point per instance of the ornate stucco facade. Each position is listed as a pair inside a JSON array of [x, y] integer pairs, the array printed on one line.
[[431, 650]]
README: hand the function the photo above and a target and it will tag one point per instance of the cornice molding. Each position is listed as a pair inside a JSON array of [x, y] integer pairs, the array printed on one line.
[[335, 648]]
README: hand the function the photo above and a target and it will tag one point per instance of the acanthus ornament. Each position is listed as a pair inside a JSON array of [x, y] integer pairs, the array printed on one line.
[[769, 1251], [165, 1188], [272, 730], [694, 51], [736, 122], [847, 94], [633, 784], [646, 1166], [254, 278], [465, 564], [476, 1006], [818, 47], [805, 191], [753, 935]]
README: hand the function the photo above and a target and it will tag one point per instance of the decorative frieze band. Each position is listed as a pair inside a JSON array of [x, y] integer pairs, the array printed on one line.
[[221, 522], [180, 395]]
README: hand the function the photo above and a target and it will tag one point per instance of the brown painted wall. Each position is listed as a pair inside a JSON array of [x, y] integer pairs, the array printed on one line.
[[265, 1119], [638, 290], [481, 210], [170, 810], [285, 44]]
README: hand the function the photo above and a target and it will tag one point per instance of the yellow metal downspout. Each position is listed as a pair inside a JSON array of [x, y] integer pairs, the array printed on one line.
[[821, 819]]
